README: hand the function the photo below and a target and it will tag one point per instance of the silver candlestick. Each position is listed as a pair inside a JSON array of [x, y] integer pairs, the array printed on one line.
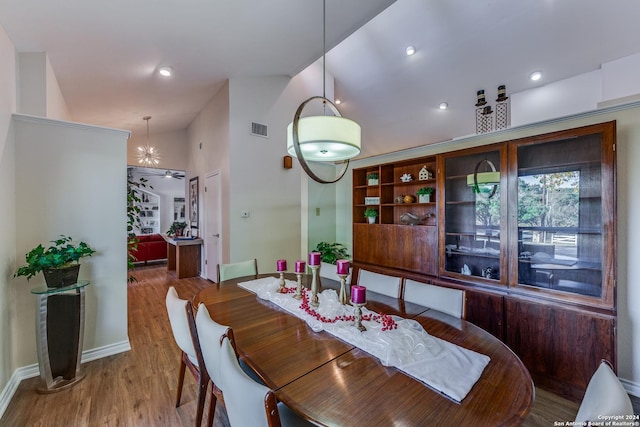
[[343, 289], [314, 286], [282, 289], [358, 321], [298, 294]]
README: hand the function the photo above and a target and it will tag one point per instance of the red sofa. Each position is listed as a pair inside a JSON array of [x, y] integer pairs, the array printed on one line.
[[151, 247]]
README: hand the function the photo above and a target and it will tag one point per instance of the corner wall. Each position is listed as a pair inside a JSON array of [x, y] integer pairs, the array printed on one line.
[[71, 179], [7, 202]]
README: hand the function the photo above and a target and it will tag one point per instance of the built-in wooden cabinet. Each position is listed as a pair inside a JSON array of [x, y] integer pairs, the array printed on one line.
[[527, 228], [405, 232], [473, 215]]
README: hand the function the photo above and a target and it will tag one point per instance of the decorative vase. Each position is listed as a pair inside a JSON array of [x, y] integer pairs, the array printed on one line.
[[61, 277], [424, 198], [409, 198]]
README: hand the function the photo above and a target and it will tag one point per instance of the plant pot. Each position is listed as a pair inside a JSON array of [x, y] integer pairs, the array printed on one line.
[[61, 277], [373, 181], [424, 198], [372, 219]]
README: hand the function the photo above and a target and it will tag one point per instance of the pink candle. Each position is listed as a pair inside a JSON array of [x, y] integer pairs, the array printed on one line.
[[300, 265], [358, 294], [281, 265], [343, 266], [314, 258]]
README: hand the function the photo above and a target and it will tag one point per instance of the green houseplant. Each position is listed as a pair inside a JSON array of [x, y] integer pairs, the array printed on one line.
[[424, 194], [371, 214], [331, 252], [59, 262], [177, 228], [372, 178]]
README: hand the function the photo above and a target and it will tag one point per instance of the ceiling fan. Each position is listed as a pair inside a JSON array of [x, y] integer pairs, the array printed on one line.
[[166, 174]]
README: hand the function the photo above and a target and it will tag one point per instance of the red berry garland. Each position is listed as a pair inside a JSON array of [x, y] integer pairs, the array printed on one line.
[[387, 321]]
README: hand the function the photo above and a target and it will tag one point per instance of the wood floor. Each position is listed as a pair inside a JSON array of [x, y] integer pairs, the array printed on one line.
[[138, 388]]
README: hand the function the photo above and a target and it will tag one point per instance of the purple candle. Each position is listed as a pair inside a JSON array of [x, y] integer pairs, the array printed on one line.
[[358, 294], [281, 265], [314, 258], [343, 266], [300, 265]]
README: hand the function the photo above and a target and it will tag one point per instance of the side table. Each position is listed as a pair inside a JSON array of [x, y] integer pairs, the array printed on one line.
[[59, 335]]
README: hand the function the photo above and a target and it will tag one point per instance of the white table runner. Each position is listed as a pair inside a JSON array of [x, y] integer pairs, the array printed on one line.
[[443, 366]]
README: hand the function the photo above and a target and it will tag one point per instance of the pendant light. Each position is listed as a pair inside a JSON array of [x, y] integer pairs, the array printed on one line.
[[148, 156], [325, 138]]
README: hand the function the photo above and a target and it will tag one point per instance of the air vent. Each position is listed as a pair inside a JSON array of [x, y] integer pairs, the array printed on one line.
[[259, 130]]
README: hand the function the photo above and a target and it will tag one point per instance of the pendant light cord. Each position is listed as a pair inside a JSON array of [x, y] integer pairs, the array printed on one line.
[[324, 47]]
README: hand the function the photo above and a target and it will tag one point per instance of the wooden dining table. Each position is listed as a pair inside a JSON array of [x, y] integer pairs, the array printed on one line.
[[333, 383]]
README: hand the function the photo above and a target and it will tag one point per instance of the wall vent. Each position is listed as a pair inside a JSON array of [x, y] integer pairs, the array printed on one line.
[[259, 130]]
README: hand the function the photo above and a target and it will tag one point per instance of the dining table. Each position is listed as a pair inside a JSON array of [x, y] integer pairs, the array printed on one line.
[[331, 382]]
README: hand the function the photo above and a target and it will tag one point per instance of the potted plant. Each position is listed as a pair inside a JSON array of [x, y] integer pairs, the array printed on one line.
[[372, 178], [177, 228], [331, 252], [371, 214], [424, 194], [59, 262]]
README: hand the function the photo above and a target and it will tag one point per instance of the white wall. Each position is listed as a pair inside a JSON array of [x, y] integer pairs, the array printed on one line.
[[172, 147], [208, 151], [7, 202], [71, 179], [39, 93]]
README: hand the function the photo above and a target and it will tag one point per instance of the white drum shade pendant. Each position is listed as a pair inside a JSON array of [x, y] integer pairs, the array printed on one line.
[[325, 138]]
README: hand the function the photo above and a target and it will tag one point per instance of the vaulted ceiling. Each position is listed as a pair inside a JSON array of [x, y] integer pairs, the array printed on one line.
[[106, 54]]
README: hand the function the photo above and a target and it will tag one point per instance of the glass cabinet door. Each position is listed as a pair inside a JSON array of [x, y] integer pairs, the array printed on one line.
[[473, 216], [560, 222]]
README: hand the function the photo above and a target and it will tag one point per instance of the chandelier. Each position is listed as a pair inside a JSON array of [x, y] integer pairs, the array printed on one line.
[[325, 138], [147, 155]]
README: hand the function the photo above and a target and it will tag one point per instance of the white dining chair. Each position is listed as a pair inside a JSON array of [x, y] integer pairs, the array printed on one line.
[[380, 283], [185, 334], [446, 300], [210, 333], [605, 396], [237, 269], [249, 403]]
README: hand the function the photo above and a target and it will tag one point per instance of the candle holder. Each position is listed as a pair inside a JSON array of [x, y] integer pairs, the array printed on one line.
[[314, 286], [358, 321], [283, 289], [298, 294], [343, 289]]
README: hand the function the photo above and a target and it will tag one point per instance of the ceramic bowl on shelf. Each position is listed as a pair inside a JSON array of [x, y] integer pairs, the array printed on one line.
[[409, 198]]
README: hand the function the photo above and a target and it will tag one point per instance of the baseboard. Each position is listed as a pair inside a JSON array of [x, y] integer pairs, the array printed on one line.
[[631, 387], [31, 371]]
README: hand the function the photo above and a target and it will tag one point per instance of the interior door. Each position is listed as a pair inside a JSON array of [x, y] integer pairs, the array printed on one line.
[[213, 225]]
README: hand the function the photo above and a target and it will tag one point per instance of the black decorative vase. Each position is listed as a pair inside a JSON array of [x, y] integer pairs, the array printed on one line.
[[61, 277]]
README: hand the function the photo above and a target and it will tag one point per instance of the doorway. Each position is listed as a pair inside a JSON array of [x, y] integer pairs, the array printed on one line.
[[212, 225]]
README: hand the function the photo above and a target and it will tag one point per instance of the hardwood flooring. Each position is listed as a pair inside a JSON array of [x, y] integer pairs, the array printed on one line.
[[138, 388]]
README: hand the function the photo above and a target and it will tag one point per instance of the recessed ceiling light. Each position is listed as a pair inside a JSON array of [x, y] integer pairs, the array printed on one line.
[[535, 76], [165, 71], [410, 50], [444, 105], [337, 101]]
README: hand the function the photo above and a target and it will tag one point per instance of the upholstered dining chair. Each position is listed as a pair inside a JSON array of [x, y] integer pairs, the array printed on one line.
[[210, 333], [237, 269], [380, 283], [186, 336], [249, 403], [329, 271], [605, 395], [447, 300]]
